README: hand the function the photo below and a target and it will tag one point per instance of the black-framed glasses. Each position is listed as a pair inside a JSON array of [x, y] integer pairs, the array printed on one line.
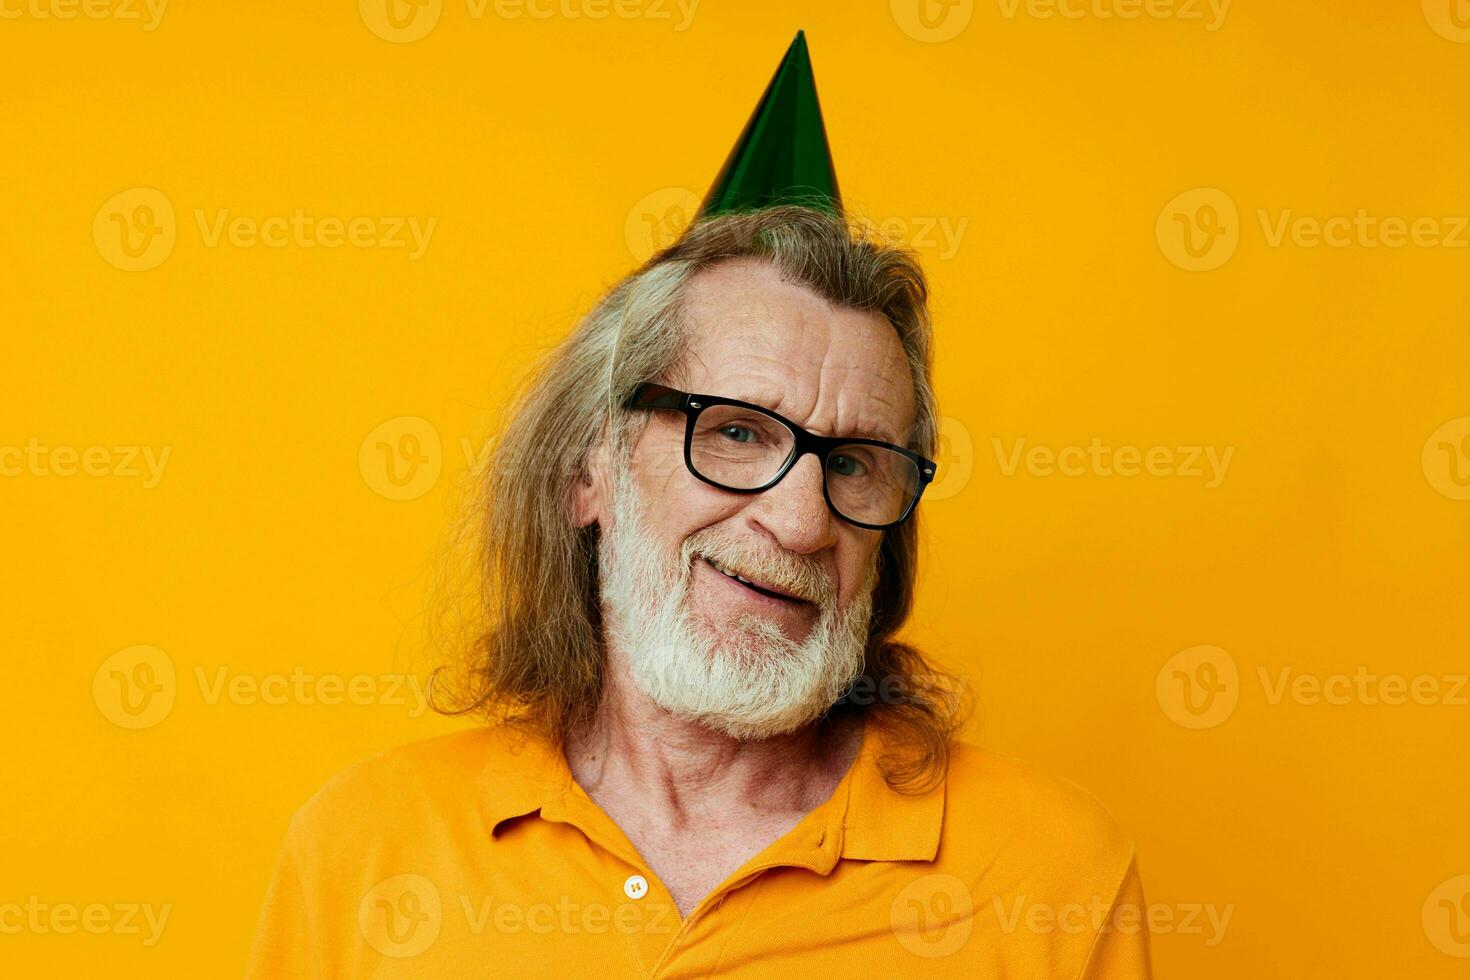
[[745, 448]]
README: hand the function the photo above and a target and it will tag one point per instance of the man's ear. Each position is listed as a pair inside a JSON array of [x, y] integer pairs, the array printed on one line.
[[591, 493]]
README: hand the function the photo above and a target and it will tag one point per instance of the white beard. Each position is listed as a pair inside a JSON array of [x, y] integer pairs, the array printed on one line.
[[745, 678]]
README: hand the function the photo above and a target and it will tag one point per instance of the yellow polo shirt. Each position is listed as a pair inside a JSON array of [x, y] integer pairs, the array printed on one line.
[[477, 855]]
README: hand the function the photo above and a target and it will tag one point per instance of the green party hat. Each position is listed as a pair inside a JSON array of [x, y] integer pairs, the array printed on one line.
[[781, 156]]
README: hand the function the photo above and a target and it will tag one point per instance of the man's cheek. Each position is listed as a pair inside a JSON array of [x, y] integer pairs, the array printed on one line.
[[663, 470]]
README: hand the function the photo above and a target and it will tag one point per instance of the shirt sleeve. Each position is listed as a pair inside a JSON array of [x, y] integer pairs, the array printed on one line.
[[1121, 950], [284, 944]]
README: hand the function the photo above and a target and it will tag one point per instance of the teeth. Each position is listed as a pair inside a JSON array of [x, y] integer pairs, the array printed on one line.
[[725, 571]]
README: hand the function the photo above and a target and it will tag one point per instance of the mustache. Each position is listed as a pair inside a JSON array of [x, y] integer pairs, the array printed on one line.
[[782, 571]]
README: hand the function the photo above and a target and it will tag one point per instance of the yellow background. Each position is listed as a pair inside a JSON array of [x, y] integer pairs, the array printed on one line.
[[551, 151]]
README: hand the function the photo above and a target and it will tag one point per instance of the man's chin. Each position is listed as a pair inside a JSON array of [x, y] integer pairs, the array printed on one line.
[[756, 695], [749, 728]]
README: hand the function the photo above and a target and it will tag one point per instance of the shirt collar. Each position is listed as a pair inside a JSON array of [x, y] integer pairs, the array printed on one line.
[[881, 823], [523, 773], [864, 820]]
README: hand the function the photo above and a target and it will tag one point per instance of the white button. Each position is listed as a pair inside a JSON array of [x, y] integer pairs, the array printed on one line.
[[636, 886]]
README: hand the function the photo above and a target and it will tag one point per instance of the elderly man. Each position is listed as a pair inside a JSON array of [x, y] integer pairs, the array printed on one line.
[[709, 754]]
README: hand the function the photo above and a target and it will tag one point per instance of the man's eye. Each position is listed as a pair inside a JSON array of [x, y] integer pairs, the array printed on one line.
[[738, 433], [845, 466]]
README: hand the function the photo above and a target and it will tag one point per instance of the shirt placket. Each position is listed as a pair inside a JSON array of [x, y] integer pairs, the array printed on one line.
[[692, 946], [814, 844], [640, 908]]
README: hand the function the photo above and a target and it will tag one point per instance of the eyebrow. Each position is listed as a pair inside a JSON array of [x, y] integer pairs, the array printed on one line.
[[868, 434], [745, 396]]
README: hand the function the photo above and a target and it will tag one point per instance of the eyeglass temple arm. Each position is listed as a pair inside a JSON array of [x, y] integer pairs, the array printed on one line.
[[649, 395]]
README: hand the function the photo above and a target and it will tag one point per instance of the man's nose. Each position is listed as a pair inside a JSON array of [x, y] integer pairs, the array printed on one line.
[[795, 510]]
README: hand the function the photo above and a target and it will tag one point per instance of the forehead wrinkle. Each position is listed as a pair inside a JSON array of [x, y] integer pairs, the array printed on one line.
[[859, 392], [868, 428], [776, 399], [865, 389], [862, 404]]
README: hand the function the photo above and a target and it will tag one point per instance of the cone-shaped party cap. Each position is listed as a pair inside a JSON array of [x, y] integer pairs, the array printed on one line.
[[781, 156]]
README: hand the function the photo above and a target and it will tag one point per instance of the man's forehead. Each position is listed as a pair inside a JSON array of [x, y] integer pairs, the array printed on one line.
[[728, 300], [756, 337]]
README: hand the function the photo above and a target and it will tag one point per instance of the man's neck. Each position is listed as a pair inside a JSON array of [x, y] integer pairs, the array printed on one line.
[[683, 774]]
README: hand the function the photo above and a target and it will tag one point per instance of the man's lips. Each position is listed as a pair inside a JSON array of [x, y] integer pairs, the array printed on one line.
[[763, 590]]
